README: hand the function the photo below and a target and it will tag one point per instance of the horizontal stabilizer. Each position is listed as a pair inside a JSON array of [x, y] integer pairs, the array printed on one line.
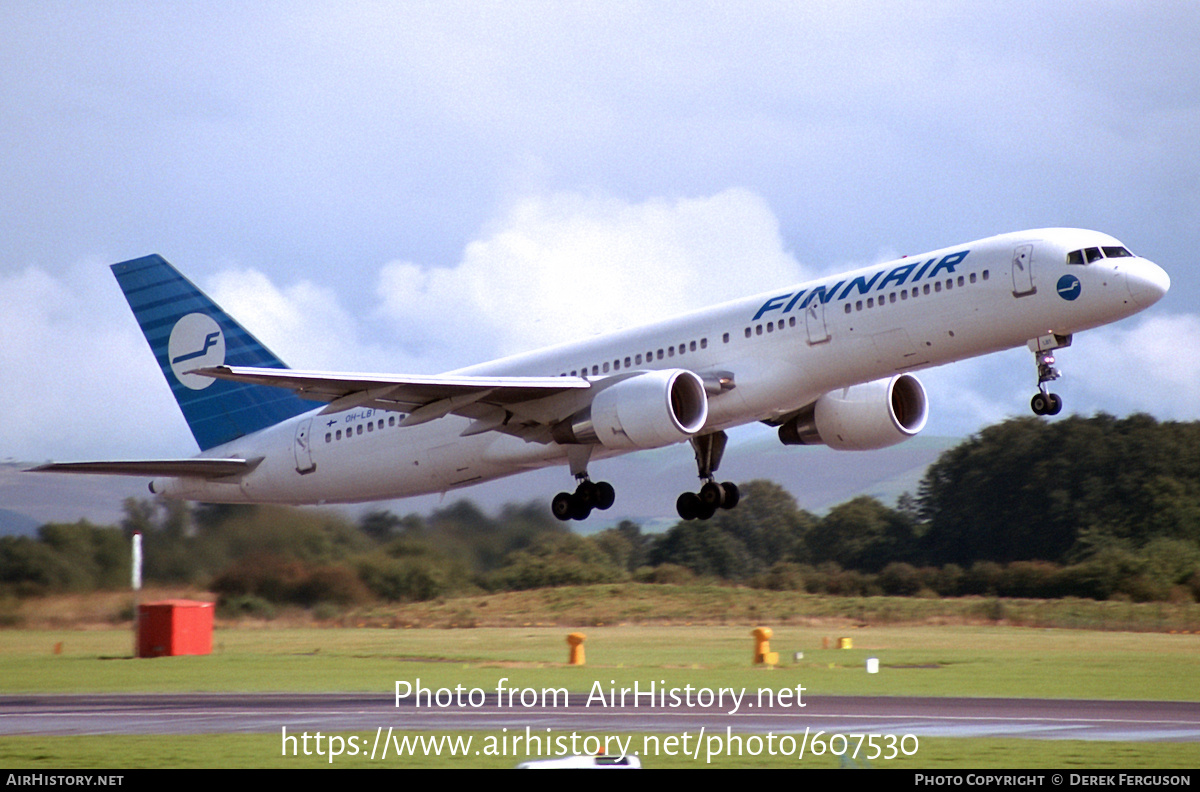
[[175, 468]]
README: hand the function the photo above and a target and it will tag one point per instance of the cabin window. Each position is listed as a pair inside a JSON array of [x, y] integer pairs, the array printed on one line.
[[328, 437], [725, 338]]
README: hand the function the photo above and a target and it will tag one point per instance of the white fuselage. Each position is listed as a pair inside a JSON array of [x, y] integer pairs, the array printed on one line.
[[783, 350]]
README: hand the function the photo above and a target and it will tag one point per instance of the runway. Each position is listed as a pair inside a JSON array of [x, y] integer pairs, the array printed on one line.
[[213, 713]]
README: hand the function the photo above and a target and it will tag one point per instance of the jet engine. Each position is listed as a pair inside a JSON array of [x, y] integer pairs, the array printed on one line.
[[862, 417], [647, 410]]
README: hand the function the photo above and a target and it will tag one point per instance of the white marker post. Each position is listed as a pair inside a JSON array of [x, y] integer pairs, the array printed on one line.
[[136, 583]]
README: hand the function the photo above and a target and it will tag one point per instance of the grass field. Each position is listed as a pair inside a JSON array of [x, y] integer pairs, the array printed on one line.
[[915, 659]]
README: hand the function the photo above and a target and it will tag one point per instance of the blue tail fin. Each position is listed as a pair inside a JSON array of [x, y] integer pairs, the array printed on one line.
[[187, 330]]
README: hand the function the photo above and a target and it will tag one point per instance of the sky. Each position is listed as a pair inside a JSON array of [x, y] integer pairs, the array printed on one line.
[[409, 187]]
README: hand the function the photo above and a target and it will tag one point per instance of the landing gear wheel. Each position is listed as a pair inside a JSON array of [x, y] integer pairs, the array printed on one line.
[[712, 494], [692, 507], [1046, 404], [580, 508], [562, 506], [587, 493], [605, 495], [688, 505], [732, 496]]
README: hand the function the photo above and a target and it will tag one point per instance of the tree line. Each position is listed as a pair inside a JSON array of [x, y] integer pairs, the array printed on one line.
[[1090, 507]]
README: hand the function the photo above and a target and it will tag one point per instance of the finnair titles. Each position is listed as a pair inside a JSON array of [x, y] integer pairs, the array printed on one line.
[[862, 284], [829, 362]]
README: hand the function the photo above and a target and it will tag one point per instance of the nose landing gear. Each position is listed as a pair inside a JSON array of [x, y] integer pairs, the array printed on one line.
[[1044, 402]]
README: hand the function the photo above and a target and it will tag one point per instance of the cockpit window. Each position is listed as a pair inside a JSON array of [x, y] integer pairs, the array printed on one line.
[[1088, 255]]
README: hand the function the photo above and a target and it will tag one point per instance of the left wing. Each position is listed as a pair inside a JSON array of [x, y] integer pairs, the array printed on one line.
[[491, 402]]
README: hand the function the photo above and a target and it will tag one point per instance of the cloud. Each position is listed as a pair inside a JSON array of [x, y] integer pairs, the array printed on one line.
[[568, 266], [1151, 366], [76, 376], [303, 323]]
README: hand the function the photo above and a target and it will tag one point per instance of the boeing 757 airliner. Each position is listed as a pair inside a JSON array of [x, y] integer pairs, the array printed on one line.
[[830, 361]]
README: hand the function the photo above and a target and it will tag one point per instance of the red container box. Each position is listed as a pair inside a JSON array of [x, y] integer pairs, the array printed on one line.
[[175, 627]]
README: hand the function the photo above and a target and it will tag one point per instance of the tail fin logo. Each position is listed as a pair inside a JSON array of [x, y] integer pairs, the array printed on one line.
[[196, 341]]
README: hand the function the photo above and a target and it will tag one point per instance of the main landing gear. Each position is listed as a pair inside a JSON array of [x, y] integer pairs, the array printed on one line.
[[1044, 402], [588, 494], [700, 505], [712, 496]]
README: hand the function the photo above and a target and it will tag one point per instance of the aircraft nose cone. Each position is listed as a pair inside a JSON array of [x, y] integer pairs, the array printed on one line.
[[1147, 283]]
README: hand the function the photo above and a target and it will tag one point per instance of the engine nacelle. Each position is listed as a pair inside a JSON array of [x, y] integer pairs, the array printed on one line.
[[863, 417], [648, 410]]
